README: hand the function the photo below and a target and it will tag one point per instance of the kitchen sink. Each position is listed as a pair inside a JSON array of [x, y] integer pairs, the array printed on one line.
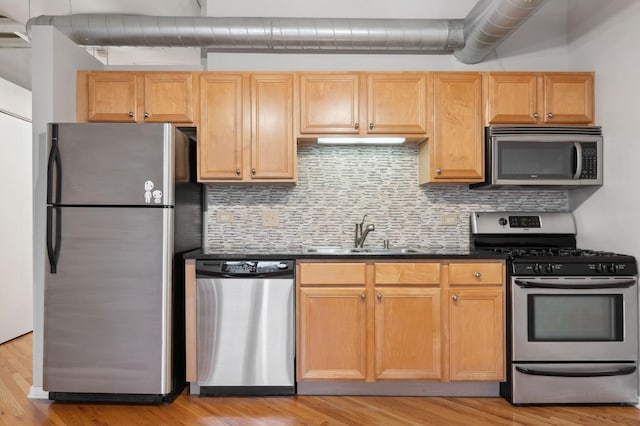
[[393, 251]]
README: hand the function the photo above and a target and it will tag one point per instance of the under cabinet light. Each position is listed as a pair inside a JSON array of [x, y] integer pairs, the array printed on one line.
[[362, 141]]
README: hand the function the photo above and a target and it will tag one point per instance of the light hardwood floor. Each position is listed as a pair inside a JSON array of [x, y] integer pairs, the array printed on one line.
[[17, 409]]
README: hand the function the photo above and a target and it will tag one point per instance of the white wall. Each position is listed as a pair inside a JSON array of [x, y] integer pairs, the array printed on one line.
[[604, 37], [539, 44], [16, 282], [55, 62]]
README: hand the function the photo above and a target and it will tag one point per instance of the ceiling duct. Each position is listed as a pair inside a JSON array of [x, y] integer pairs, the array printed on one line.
[[471, 39], [262, 34], [489, 23]]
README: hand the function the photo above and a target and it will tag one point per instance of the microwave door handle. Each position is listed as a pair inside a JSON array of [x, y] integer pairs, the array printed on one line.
[[578, 148]]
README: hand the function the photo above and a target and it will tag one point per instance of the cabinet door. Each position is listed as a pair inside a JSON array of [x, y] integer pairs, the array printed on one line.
[[407, 330], [476, 334], [220, 132], [512, 98], [272, 141], [112, 96], [332, 333], [457, 147], [396, 103], [168, 96], [329, 103], [568, 98]]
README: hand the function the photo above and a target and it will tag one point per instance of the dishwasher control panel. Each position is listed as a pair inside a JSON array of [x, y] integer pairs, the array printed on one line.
[[244, 267]]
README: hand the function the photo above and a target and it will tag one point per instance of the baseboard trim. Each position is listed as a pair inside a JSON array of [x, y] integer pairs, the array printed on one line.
[[36, 392]]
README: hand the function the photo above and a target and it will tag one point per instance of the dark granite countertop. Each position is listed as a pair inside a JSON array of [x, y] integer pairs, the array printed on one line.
[[297, 254]]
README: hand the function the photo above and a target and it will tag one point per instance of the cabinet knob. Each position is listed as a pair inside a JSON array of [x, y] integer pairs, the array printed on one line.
[[549, 115], [131, 114], [238, 172], [379, 296], [356, 126], [370, 125], [146, 115], [454, 298], [438, 171], [535, 115], [477, 274], [363, 296], [253, 171]]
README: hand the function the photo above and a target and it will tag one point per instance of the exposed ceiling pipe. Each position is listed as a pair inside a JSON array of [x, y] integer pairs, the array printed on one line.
[[489, 23], [262, 34], [471, 39]]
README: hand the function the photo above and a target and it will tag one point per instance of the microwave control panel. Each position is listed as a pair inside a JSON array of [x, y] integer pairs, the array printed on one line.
[[589, 161]]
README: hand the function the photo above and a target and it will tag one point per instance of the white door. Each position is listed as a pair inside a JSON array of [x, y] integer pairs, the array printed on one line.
[[16, 279]]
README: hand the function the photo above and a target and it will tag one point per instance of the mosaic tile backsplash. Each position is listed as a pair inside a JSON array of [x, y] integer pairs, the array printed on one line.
[[337, 185]]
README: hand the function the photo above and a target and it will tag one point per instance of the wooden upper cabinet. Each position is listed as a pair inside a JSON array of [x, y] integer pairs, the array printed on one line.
[[329, 103], [108, 96], [136, 97], [540, 98], [220, 136], [455, 152], [273, 148], [169, 96], [363, 103], [396, 103], [568, 98], [246, 128], [512, 98]]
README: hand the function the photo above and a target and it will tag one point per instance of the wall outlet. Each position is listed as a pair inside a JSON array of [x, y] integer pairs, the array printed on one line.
[[449, 219], [225, 217], [271, 218]]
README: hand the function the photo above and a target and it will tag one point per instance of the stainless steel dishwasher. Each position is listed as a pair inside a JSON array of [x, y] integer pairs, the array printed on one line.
[[245, 328]]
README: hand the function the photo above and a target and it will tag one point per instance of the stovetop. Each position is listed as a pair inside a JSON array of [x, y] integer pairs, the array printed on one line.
[[544, 244], [561, 253]]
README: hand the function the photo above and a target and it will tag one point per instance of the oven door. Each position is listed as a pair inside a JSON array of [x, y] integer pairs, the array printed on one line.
[[574, 319]]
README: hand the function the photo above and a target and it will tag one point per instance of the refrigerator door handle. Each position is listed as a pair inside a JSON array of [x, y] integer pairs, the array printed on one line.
[[54, 163], [53, 251]]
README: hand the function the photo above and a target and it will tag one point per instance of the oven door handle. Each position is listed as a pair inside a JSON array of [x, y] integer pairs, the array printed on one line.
[[585, 373], [593, 285]]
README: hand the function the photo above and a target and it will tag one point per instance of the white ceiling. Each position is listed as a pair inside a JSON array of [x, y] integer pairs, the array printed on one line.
[[15, 53]]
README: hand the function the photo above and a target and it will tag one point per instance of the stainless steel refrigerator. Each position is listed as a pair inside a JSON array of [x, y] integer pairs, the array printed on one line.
[[123, 206]]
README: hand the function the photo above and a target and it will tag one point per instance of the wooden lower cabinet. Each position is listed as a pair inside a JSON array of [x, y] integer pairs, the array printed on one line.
[[398, 320], [333, 333], [476, 334], [407, 333]]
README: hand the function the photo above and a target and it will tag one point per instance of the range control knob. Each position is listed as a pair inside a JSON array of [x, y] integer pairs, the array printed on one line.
[[549, 268], [599, 267], [282, 266], [537, 268], [502, 221], [613, 268]]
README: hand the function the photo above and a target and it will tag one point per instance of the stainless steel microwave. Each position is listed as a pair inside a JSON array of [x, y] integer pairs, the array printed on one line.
[[547, 157]]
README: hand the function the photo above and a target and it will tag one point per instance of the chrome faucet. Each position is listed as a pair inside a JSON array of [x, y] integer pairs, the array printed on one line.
[[362, 235]]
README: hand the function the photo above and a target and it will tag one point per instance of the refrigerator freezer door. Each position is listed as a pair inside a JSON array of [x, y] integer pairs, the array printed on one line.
[[112, 163], [108, 307]]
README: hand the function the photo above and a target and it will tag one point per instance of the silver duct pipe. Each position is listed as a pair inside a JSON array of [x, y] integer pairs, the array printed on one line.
[[471, 39], [489, 23], [262, 34]]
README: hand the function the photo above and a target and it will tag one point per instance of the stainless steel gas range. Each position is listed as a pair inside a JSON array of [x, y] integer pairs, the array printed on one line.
[[572, 316]]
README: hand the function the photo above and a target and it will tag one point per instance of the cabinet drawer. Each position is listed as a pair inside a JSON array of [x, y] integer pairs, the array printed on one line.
[[476, 273], [332, 273], [407, 273]]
